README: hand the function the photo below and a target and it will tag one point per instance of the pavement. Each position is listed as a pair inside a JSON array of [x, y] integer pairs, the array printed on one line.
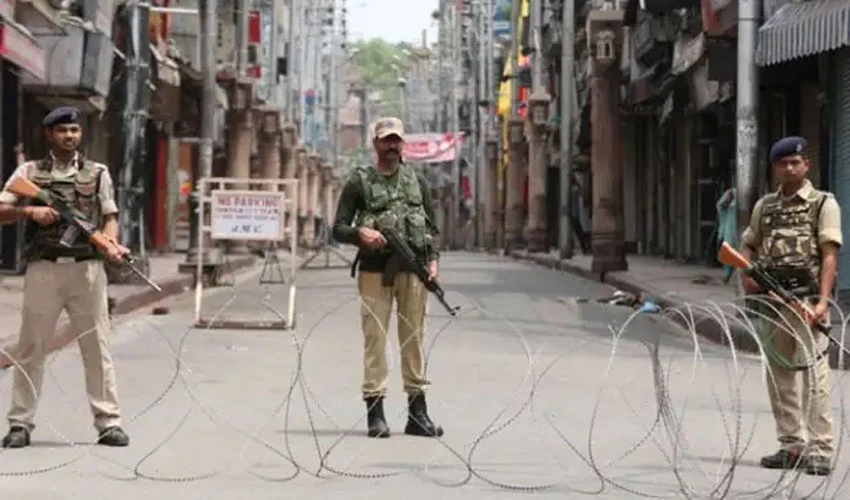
[[128, 297], [694, 292], [542, 391]]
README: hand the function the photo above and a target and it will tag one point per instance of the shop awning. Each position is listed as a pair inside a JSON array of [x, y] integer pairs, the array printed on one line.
[[803, 29], [20, 48]]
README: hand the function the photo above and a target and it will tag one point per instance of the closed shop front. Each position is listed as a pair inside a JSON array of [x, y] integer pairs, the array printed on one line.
[[840, 148]]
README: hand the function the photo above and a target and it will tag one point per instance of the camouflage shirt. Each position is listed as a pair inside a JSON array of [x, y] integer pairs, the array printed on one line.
[[786, 231], [83, 185], [370, 198]]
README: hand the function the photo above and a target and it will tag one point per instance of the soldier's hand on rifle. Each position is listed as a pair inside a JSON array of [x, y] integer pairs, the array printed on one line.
[[116, 252], [818, 312], [371, 238], [750, 285], [43, 216], [433, 269]]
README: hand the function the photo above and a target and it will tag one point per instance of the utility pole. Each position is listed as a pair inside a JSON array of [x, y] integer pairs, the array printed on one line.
[[568, 46], [481, 165], [441, 49], [494, 227], [454, 210], [405, 107], [749, 18], [210, 257], [135, 122], [538, 117], [333, 97], [242, 37], [304, 34], [515, 170], [290, 61]]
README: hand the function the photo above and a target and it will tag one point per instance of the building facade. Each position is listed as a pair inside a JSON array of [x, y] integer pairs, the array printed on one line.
[[678, 112], [140, 92]]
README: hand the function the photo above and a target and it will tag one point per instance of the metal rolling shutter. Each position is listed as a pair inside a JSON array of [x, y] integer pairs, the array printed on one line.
[[841, 158]]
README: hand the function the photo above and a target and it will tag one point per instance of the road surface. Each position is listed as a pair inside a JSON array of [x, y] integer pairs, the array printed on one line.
[[540, 391]]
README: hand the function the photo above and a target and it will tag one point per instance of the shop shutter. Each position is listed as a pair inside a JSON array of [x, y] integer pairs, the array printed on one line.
[[841, 159]]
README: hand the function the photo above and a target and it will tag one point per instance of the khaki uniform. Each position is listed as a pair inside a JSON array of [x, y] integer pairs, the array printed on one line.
[[376, 307], [399, 197], [401, 202], [779, 233], [78, 288]]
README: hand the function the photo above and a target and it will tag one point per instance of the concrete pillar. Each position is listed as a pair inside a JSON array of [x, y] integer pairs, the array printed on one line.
[[301, 174], [289, 151], [313, 181], [608, 233], [288, 170], [270, 164], [269, 152], [515, 176], [336, 190], [536, 233], [241, 125], [489, 189], [327, 193]]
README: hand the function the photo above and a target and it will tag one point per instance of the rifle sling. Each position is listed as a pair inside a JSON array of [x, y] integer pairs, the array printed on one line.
[[354, 264]]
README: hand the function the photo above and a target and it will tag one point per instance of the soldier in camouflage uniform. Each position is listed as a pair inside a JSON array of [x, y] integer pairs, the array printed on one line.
[[795, 233], [70, 277], [390, 193]]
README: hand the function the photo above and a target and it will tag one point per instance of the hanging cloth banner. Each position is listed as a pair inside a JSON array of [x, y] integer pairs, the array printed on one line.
[[431, 148]]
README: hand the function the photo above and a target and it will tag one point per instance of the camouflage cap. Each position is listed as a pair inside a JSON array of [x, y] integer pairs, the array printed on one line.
[[386, 127]]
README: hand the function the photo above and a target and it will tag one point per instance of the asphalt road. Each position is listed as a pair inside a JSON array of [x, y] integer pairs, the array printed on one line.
[[541, 393]]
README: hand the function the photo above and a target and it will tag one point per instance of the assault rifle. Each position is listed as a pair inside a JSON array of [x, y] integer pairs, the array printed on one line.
[[731, 257], [78, 224], [403, 251]]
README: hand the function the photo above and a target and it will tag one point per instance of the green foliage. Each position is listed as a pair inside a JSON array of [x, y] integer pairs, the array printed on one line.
[[375, 59]]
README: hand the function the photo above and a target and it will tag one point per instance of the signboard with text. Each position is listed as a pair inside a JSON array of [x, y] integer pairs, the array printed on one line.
[[247, 215], [502, 19], [431, 147]]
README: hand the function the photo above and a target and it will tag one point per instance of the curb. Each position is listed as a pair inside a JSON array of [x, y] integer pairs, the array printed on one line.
[[172, 286], [705, 325]]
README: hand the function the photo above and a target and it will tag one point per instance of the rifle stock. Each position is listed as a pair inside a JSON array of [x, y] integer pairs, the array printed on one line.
[[23, 187], [728, 256], [731, 257]]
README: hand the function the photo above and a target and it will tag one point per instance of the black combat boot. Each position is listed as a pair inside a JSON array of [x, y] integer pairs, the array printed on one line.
[[375, 418], [817, 465], [18, 437], [782, 459], [418, 421], [113, 436]]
